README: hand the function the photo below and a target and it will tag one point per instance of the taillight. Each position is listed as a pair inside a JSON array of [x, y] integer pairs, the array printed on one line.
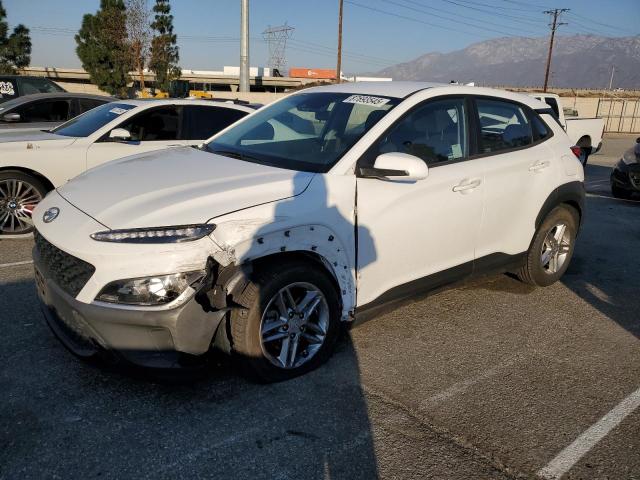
[[577, 151]]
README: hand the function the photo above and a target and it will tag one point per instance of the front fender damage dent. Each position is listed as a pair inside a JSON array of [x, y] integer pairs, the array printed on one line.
[[238, 249]]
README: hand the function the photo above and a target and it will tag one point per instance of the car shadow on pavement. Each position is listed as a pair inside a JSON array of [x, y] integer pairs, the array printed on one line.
[[70, 419], [605, 269]]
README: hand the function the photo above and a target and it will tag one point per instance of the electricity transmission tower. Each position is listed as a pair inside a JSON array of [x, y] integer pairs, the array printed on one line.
[[555, 13], [276, 38]]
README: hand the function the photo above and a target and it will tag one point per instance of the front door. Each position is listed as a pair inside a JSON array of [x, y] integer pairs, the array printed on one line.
[[419, 235]]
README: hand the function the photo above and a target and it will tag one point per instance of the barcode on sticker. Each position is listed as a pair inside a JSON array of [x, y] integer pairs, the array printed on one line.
[[117, 111], [366, 100]]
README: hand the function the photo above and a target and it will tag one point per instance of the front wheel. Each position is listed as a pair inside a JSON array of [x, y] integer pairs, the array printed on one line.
[[551, 249], [19, 195], [290, 325]]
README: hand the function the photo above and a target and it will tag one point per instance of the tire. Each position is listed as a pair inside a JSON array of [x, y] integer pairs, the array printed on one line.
[[536, 271], [621, 193], [19, 194], [263, 359]]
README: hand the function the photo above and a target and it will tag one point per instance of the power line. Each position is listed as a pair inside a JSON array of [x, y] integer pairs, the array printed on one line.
[[457, 20], [411, 19]]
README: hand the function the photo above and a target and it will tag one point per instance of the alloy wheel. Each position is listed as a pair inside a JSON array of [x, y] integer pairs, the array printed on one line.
[[294, 325], [17, 201], [555, 248]]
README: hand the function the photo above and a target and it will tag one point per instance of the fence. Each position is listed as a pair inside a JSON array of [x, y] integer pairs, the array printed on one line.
[[621, 115]]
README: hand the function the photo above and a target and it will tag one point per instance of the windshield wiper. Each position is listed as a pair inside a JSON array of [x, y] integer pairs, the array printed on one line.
[[237, 155]]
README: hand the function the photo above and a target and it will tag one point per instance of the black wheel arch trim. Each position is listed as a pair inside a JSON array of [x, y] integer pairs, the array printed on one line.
[[571, 193]]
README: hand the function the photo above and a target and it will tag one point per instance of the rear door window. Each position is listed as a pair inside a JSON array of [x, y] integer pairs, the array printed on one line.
[[44, 111], [504, 126], [201, 122], [87, 104]]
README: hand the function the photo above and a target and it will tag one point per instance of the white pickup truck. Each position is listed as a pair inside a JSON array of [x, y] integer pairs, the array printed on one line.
[[584, 132]]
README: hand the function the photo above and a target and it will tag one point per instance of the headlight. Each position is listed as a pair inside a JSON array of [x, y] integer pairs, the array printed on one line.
[[177, 234], [149, 291]]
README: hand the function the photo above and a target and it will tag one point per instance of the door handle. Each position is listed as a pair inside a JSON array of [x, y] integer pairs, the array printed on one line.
[[536, 167], [466, 185]]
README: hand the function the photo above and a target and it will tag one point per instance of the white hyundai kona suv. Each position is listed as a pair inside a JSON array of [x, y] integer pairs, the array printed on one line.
[[34, 162], [312, 212]]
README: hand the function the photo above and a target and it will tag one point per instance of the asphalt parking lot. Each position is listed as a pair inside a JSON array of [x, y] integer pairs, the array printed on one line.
[[491, 380]]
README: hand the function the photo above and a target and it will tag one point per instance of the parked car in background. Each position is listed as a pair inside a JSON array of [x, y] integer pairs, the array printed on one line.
[[44, 111], [34, 162], [13, 86], [586, 133], [625, 177], [317, 209]]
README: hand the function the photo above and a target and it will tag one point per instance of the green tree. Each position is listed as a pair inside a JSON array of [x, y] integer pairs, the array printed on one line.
[[164, 49], [103, 47], [15, 50]]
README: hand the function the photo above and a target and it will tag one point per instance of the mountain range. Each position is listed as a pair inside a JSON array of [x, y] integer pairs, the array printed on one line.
[[579, 61]]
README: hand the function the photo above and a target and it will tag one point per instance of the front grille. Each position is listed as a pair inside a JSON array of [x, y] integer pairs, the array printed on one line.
[[68, 272]]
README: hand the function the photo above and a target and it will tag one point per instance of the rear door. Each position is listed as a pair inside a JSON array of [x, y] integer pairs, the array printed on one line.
[[519, 176], [152, 129], [202, 122]]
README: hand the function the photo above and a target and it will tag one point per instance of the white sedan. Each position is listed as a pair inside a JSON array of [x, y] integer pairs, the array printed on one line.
[[33, 163]]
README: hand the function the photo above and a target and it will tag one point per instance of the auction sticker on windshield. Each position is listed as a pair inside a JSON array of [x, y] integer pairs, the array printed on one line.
[[366, 100], [117, 111]]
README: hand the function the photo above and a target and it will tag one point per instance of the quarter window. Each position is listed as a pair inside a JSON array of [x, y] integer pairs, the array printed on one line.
[[504, 126], [435, 132], [540, 129]]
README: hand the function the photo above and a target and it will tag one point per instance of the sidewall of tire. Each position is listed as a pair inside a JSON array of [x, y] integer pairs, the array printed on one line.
[[245, 322], [536, 272]]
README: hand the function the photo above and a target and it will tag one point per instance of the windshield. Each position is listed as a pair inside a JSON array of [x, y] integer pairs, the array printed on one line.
[[308, 131], [94, 119]]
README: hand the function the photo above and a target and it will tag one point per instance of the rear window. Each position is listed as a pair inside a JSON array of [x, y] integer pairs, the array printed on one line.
[[38, 85], [93, 120]]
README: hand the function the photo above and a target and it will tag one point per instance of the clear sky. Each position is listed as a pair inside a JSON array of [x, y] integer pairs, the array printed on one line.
[[377, 33]]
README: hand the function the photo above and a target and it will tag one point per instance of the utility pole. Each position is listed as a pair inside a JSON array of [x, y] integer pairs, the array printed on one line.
[[244, 46], [339, 66], [555, 13], [613, 69]]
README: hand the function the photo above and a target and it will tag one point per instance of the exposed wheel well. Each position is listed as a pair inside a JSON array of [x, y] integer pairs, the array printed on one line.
[[269, 261], [45, 181], [584, 141]]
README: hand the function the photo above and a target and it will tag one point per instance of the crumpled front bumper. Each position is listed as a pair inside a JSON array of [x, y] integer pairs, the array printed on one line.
[[149, 337]]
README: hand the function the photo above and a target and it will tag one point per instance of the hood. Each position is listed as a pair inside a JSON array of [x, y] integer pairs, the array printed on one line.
[[177, 186], [32, 136]]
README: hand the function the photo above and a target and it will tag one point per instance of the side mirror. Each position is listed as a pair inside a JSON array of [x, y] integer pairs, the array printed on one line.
[[397, 166], [120, 135], [12, 117]]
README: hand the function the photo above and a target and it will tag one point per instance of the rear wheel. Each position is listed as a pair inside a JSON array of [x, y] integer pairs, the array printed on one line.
[[551, 249], [19, 195], [290, 325]]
